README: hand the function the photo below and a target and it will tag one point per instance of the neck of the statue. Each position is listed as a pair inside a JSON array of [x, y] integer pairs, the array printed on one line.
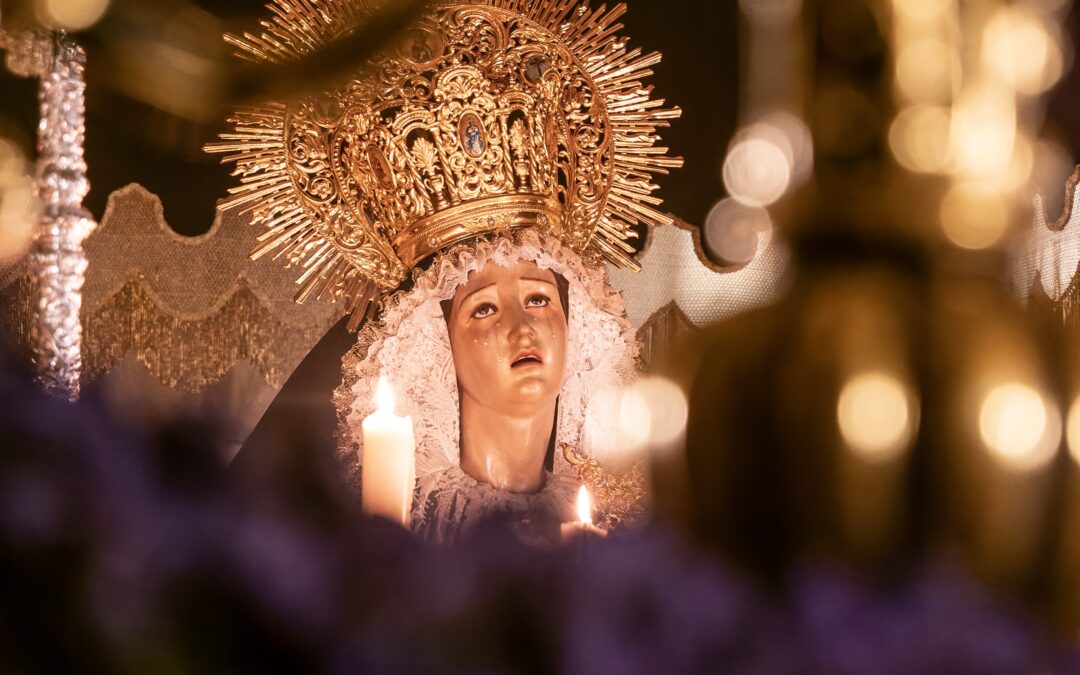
[[503, 450]]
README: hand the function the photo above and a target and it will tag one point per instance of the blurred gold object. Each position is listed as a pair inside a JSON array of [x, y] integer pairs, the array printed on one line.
[[620, 500], [491, 115], [894, 406]]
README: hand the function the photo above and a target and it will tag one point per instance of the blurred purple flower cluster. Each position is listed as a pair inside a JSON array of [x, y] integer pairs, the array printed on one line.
[[132, 551]]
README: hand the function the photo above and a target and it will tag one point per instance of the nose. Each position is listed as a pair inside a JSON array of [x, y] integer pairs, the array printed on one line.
[[519, 324]]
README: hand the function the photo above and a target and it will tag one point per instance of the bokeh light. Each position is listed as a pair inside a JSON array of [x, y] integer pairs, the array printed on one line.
[[1020, 49], [1053, 165], [757, 171], [927, 70], [876, 416], [733, 231], [921, 10], [634, 422], [1020, 428], [771, 12], [983, 131], [1072, 430], [974, 215], [791, 134], [919, 138], [18, 203], [667, 410], [71, 14]]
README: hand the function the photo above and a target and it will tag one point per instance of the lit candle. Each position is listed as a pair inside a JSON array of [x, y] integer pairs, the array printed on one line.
[[389, 460], [584, 524]]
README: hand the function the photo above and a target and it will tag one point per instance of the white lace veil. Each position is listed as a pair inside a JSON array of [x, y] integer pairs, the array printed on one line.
[[410, 346]]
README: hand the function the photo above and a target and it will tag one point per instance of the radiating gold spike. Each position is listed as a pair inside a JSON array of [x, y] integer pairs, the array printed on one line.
[[286, 222], [245, 199], [305, 291], [647, 161], [636, 70], [614, 61], [279, 242], [315, 263], [357, 317], [617, 257], [634, 195], [353, 292], [359, 295], [291, 249], [261, 180], [646, 151], [633, 210], [331, 276], [247, 193]]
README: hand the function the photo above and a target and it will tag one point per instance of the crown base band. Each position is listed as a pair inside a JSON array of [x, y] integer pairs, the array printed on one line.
[[471, 219]]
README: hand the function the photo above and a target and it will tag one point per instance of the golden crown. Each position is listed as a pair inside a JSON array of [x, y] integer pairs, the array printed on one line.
[[490, 115]]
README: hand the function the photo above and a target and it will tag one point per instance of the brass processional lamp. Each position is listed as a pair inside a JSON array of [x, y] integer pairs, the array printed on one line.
[[896, 406]]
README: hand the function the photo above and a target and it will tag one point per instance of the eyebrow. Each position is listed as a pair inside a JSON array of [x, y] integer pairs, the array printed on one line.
[[476, 291], [535, 279]]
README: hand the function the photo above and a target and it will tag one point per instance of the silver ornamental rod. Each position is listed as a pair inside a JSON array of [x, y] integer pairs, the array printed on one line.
[[57, 258]]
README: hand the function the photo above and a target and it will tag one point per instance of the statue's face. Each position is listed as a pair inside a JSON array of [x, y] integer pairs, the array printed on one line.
[[508, 334]]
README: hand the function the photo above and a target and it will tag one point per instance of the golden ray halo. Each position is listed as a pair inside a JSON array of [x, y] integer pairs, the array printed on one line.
[[357, 264]]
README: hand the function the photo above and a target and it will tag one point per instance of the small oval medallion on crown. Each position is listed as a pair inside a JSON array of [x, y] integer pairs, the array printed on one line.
[[471, 133], [380, 167]]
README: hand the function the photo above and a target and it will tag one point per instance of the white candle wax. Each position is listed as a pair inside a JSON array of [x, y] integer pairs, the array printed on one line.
[[389, 461], [584, 524]]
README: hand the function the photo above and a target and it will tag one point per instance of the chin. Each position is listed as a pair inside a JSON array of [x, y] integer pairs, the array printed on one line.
[[536, 391]]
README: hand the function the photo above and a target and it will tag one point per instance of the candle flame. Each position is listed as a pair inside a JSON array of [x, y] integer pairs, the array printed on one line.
[[384, 396], [584, 506]]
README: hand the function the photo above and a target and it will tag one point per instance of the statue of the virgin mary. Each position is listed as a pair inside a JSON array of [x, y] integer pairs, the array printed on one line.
[[462, 193]]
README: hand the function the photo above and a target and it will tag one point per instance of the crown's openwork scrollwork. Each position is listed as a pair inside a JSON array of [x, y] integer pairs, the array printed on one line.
[[490, 115]]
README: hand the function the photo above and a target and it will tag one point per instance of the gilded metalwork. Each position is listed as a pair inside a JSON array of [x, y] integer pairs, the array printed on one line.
[[619, 500], [490, 115]]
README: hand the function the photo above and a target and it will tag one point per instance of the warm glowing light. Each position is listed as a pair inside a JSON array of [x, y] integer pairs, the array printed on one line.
[[927, 70], [72, 14], [668, 410], [384, 396], [19, 209], [1053, 165], [13, 165], [771, 12], [19, 203], [634, 422], [919, 138], [1019, 48], [732, 231], [974, 215], [1072, 430], [1019, 427], [983, 131], [584, 506], [875, 416], [1021, 167], [792, 135], [921, 10], [757, 172]]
